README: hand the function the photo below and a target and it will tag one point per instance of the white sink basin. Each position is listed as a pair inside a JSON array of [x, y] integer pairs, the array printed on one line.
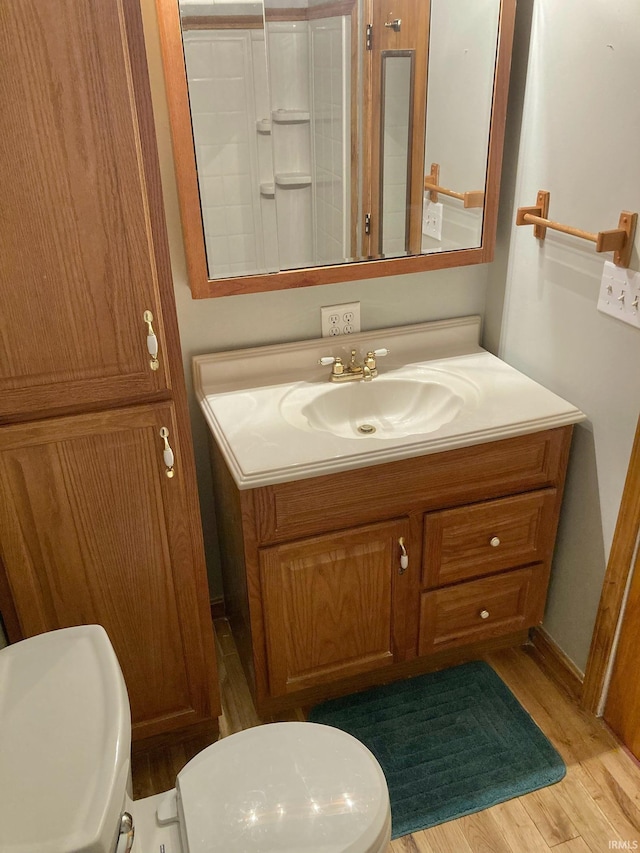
[[276, 417], [384, 408]]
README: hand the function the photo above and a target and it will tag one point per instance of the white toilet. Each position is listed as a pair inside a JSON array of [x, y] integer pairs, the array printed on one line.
[[65, 737]]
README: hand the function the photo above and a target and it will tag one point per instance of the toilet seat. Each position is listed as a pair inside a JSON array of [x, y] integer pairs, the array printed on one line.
[[284, 788]]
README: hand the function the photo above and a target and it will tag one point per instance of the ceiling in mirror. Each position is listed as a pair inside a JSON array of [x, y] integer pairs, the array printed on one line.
[[328, 132]]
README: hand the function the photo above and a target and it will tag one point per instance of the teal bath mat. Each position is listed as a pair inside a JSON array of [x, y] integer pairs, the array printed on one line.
[[450, 743]]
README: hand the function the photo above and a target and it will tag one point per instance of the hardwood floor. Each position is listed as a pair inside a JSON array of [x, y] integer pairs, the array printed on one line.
[[595, 808]]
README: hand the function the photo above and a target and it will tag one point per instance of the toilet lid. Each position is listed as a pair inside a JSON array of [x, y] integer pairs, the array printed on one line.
[[64, 743], [283, 788]]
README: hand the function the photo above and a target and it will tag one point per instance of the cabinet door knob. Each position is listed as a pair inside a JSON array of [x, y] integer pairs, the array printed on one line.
[[404, 557], [484, 614], [494, 541], [167, 453], [152, 341]]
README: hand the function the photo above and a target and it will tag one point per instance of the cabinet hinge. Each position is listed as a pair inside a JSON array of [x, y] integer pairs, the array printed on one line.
[[367, 223], [369, 36]]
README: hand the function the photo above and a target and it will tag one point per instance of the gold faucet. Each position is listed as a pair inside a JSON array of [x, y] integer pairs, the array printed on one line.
[[342, 372]]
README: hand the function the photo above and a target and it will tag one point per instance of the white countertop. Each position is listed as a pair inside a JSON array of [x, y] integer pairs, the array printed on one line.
[[241, 394]]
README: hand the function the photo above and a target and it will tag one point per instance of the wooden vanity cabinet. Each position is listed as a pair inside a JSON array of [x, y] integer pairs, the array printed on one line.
[[315, 589], [91, 528]]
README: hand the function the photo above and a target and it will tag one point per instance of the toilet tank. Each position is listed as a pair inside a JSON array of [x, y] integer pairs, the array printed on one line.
[[65, 739]]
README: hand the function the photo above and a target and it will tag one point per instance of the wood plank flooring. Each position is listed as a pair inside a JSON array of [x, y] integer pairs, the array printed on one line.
[[595, 808]]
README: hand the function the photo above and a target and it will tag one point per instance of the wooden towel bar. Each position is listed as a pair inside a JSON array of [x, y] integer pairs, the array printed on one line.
[[473, 198], [617, 240]]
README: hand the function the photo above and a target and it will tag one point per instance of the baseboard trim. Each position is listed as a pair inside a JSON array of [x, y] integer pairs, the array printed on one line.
[[206, 731], [555, 663]]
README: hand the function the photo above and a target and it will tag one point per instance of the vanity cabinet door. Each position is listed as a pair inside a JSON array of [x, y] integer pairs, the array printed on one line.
[[83, 249], [93, 531], [328, 605]]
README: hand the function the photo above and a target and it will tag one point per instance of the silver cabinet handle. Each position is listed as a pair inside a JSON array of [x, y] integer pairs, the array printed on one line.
[[167, 453], [484, 614], [494, 542], [152, 341]]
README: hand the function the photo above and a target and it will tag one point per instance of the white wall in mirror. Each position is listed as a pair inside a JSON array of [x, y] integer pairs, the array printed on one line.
[[462, 45]]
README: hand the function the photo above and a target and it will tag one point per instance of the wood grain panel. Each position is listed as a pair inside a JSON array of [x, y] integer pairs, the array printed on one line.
[[434, 481], [94, 532], [328, 605], [452, 617], [79, 263], [458, 541], [622, 711]]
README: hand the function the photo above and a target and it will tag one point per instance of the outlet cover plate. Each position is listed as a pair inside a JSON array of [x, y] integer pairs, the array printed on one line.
[[432, 216], [620, 294], [340, 319]]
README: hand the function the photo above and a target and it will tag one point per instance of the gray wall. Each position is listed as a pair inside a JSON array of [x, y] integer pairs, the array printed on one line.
[[574, 93]]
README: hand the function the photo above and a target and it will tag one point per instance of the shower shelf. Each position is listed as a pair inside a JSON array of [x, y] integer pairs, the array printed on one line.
[[293, 180], [267, 189], [290, 116], [263, 125]]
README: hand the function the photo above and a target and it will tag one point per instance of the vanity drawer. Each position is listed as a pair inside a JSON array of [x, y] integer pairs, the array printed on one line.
[[481, 609], [488, 537], [299, 508]]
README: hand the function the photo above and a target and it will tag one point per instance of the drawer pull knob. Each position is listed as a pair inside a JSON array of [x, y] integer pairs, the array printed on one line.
[[494, 542], [484, 614]]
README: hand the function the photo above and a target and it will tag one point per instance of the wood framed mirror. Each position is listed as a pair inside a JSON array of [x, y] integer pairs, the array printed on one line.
[[334, 140]]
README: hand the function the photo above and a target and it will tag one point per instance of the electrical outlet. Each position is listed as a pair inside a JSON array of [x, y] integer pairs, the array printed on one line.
[[340, 319], [432, 216], [620, 294]]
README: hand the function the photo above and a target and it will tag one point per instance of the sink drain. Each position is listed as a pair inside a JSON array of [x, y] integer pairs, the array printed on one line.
[[366, 429]]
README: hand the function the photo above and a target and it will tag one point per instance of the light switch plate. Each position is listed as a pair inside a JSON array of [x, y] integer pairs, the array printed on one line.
[[620, 294]]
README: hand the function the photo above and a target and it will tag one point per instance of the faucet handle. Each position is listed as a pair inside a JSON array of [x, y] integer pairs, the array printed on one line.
[[336, 361], [372, 355]]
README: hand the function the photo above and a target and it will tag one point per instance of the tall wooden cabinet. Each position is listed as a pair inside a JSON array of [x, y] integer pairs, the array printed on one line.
[[99, 519]]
